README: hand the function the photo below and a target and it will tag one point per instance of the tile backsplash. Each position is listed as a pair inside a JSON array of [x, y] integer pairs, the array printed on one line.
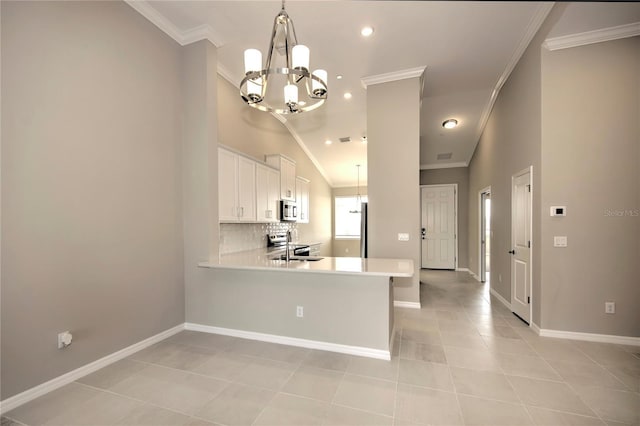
[[236, 237]]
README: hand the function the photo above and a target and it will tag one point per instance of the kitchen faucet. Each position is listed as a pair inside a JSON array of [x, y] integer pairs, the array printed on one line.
[[287, 246]]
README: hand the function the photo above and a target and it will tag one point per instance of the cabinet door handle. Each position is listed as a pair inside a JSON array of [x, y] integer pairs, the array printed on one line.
[[241, 211]]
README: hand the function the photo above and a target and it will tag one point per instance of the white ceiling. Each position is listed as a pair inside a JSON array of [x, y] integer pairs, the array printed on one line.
[[468, 49]]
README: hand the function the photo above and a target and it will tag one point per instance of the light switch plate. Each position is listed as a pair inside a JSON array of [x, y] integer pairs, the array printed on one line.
[[403, 236], [560, 241]]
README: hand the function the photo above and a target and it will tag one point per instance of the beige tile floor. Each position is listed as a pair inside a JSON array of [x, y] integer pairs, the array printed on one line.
[[463, 359]]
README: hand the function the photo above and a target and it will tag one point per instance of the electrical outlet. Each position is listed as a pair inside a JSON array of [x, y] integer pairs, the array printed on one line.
[[64, 339], [560, 241], [609, 307], [300, 311], [403, 236]]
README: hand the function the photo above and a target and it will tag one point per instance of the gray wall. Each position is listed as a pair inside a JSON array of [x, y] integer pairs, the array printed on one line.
[[351, 310], [459, 175], [256, 133], [511, 142], [393, 183], [342, 247], [591, 164], [573, 114], [91, 185]]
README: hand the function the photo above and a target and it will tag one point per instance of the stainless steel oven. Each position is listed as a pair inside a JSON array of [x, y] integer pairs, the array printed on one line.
[[301, 250]]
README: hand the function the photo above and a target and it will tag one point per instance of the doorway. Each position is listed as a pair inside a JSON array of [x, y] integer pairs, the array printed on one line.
[[521, 213], [439, 204], [485, 234]]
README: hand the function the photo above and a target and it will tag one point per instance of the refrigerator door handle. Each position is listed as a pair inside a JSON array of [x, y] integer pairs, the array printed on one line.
[[363, 231]]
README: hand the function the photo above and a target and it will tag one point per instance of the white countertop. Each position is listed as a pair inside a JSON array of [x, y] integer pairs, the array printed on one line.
[[261, 259]]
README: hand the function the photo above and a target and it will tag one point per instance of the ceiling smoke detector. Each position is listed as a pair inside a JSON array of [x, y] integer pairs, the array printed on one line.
[[445, 156], [345, 139]]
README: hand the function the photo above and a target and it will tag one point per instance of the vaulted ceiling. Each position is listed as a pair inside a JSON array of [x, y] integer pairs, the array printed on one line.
[[468, 49]]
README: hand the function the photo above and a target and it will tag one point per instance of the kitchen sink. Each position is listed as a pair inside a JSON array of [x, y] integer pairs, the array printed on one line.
[[298, 258]]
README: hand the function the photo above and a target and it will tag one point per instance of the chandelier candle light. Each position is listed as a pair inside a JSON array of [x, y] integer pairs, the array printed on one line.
[[253, 87]]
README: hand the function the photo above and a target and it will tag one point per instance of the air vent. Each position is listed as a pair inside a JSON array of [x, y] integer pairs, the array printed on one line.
[[445, 156], [345, 139]]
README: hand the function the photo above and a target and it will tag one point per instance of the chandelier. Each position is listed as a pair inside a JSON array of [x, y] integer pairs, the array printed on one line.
[[295, 75]]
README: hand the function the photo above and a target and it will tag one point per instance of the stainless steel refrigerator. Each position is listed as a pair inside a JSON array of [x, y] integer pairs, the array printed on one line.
[[363, 230]]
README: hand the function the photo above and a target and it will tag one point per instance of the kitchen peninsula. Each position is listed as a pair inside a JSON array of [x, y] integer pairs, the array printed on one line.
[[335, 304]]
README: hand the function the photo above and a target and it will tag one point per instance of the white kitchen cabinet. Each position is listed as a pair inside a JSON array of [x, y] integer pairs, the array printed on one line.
[[227, 185], [267, 193], [246, 189], [236, 187], [287, 169], [302, 199]]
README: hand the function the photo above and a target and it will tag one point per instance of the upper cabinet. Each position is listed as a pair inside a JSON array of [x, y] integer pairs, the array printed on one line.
[[250, 191], [302, 199], [267, 193], [227, 185], [287, 169], [236, 187]]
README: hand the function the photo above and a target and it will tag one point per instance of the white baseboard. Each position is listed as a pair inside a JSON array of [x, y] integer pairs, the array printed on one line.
[[501, 299], [53, 384], [292, 341], [589, 337], [476, 277], [535, 327], [403, 304]]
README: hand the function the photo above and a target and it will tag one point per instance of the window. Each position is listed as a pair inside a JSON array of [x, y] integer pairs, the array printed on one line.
[[347, 222]]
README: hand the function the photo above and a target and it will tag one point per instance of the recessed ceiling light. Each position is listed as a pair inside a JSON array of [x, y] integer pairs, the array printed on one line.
[[339, 76], [450, 123], [366, 31], [328, 142], [347, 95]]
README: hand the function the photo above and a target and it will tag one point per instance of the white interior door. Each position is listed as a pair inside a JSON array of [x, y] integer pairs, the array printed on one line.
[[521, 245], [485, 232], [439, 226]]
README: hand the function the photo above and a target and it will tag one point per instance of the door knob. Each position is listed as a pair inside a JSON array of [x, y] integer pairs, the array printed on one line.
[[512, 252]]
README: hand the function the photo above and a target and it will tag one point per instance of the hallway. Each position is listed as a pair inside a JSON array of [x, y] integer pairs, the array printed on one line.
[[522, 377]]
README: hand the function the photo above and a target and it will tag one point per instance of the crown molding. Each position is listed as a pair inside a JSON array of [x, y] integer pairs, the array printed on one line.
[[202, 32], [156, 18], [591, 37], [304, 148], [532, 29], [393, 76], [224, 73], [443, 165]]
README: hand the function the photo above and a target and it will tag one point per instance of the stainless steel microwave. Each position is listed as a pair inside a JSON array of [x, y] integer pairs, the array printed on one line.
[[288, 211]]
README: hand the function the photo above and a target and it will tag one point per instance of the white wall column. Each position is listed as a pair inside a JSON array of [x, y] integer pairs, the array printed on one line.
[[393, 164], [199, 163]]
